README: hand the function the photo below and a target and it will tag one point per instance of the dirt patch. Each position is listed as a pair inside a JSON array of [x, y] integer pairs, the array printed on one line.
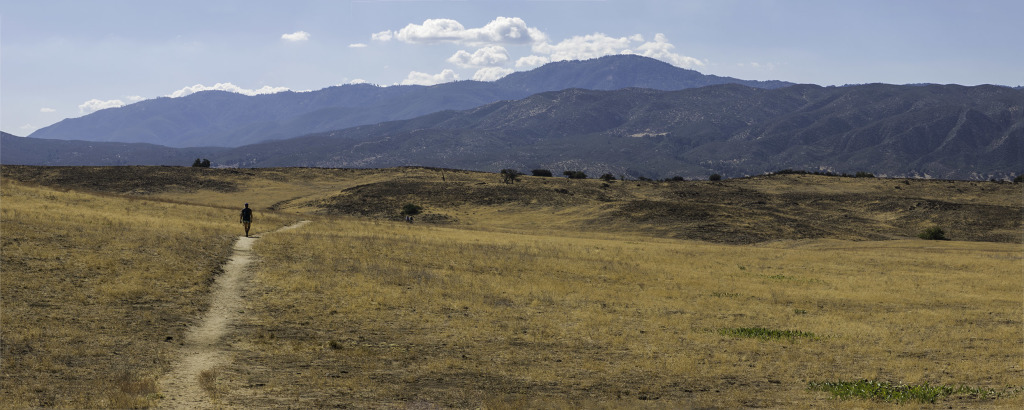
[[192, 382]]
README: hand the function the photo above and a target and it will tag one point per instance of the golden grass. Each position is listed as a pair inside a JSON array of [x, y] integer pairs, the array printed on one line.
[[97, 292], [518, 304], [349, 312]]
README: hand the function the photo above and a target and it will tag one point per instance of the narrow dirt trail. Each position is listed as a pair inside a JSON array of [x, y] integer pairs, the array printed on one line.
[[204, 351]]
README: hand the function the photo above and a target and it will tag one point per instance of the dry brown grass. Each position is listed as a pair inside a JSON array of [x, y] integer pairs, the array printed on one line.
[[208, 381], [349, 312], [97, 292], [550, 293]]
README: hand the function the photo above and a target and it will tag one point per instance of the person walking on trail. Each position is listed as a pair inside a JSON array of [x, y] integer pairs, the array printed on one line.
[[246, 219]]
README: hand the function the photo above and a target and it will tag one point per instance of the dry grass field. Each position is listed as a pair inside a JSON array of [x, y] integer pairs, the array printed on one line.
[[363, 313], [97, 290], [547, 293]]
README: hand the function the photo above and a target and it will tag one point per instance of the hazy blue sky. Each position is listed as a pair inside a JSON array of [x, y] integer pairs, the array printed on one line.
[[61, 59]]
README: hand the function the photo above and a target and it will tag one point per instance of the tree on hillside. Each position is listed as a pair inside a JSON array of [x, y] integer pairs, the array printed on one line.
[[510, 176], [411, 209], [204, 163], [933, 233], [575, 174], [715, 177], [608, 177], [542, 173]]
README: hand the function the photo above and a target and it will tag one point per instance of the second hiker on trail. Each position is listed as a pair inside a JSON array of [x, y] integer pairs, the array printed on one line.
[[246, 219]]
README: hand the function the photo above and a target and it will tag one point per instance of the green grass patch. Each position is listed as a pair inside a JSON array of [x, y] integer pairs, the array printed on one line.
[[767, 334], [903, 393]]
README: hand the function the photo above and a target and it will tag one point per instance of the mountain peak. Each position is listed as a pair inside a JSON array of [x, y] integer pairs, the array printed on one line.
[[617, 72]]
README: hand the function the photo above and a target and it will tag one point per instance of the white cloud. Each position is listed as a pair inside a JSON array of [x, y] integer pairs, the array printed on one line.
[[385, 35], [358, 81], [357, 45], [135, 98], [600, 45], [226, 87], [532, 61], [492, 60], [491, 73], [296, 36], [47, 109], [502, 30], [418, 78], [487, 56], [94, 105], [661, 49], [584, 47]]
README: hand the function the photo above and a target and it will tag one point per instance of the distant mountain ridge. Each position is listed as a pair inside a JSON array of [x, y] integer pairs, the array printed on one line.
[[700, 125], [16, 150], [934, 131], [218, 118]]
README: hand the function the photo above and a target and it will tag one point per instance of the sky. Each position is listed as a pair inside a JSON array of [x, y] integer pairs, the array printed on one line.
[[65, 59]]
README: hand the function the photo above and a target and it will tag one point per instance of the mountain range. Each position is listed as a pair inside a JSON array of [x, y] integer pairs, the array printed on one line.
[[926, 131], [220, 118], [625, 115]]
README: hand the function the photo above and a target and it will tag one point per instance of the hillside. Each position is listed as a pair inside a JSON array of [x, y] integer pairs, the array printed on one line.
[[921, 131], [217, 118], [33, 151], [738, 211]]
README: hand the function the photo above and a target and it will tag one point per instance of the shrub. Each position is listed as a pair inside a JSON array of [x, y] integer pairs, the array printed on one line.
[[862, 174], [542, 173], [676, 178], [575, 174], [1018, 179], [204, 163], [607, 177], [510, 176], [411, 209], [767, 334], [715, 177], [933, 234], [899, 393]]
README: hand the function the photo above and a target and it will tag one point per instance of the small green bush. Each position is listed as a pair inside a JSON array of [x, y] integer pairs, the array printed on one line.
[[542, 173], [575, 174], [902, 393], [1018, 179], [715, 177], [933, 234], [411, 209], [767, 334], [608, 177]]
